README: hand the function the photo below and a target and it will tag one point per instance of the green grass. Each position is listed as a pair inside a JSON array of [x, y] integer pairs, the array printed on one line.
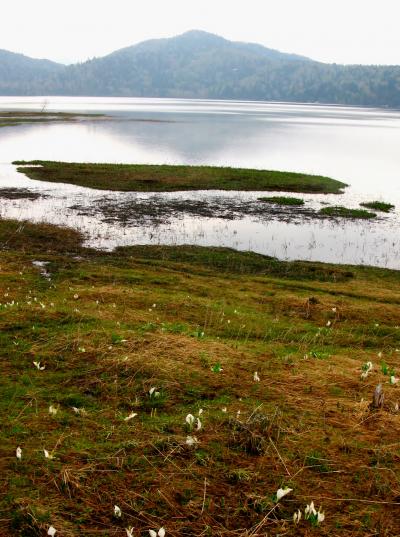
[[283, 200], [344, 212], [378, 206], [165, 178], [194, 323]]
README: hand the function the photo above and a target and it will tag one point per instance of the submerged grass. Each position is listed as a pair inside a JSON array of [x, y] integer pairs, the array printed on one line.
[[166, 178], [283, 200], [195, 324]]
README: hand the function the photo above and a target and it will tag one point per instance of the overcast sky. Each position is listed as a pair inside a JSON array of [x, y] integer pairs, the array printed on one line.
[[341, 31]]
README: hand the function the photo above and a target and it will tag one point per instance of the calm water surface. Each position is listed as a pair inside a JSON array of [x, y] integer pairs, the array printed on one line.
[[356, 145]]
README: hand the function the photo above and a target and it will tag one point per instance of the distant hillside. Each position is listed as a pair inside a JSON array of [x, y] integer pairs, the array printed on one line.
[[202, 65], [20, 75]]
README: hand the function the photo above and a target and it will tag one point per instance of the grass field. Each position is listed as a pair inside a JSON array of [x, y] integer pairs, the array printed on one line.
[[165, 178], [164, 332]]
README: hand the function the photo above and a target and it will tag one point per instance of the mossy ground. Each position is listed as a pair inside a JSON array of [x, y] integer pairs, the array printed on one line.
[[109, 327], [166, 178]]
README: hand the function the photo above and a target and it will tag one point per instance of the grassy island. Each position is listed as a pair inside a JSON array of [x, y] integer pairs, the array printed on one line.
[[345, 212], [378, 206], [187, 385], [166, 178], [11, 119]]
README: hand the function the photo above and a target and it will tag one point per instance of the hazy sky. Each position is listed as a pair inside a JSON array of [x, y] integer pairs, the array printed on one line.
[[341, 31]]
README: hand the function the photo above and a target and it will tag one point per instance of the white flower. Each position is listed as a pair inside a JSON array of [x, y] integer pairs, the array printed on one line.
[[129, 531], [379, 353], [51, 531], [131, 416], [310, 510], [334, 310], [369, 366], [200, 412], [76, 296], [152, 392], [328, 323], [47, 454], [224, 409], [320, 516], [38, 366], [191, 441], [198, 424], [280, 493], [53, 410], [297, 516], [396, 407], [256, 378], [117, 511], [160, 533], [394, 380], [190, 419], [18, 453]]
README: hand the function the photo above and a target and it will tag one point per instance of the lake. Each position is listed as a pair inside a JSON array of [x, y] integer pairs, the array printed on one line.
[[356, 145]]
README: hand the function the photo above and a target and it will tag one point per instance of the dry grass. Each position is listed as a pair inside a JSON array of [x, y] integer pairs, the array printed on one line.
[[307, 424]]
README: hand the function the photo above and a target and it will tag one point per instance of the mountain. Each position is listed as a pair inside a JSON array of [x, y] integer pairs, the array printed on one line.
[[20, 75], [198, 64]]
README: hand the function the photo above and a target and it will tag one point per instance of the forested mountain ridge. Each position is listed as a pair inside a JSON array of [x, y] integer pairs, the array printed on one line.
[[202, 65]]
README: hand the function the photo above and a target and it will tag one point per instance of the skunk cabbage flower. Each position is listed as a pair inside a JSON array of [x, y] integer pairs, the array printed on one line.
[[38, 366], [191, 441], [310, 510], [53, 410], [51, 531], [297, 516], [280, 493], [117, 511], [320, 516], [256, 378], [129, 531], [18, 453], [190, 419], [160, 533], [47, 454], [198, 424], [130, 417], [394, 380]]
